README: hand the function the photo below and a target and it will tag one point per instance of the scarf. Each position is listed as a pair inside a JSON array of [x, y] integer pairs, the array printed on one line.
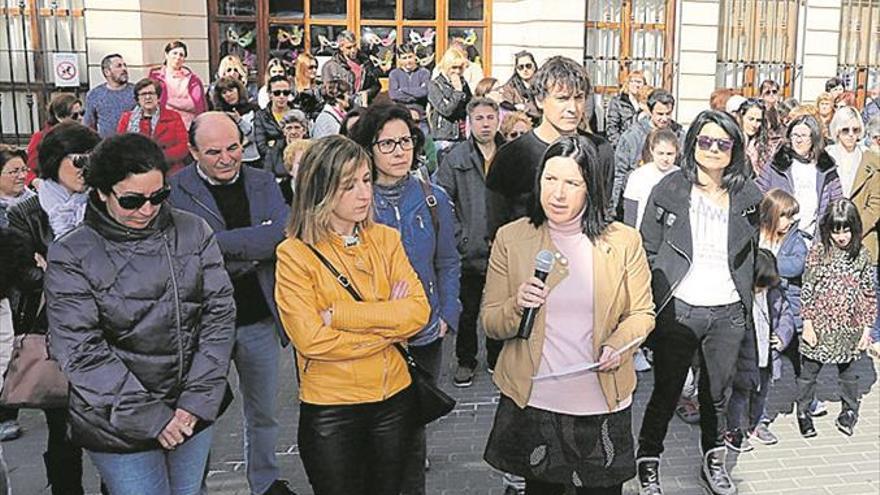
[[64, 209], [134, 121]]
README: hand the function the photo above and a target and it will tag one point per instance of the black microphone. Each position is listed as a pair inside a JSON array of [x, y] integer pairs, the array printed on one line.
[[543, 264]]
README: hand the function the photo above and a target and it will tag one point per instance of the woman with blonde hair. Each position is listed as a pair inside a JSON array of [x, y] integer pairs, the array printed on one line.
[[356, 400], [448, 95], [825, 108], [306, 88], [232, 66], [624, 108], [514, 125]]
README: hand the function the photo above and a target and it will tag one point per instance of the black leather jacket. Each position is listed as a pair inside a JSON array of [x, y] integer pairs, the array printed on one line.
[[142, 322], [30, 225]]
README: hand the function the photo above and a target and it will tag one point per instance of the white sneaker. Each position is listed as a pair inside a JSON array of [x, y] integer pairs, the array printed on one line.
[[640, 361]]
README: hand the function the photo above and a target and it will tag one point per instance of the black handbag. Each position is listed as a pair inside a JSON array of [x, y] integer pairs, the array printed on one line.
[[432, 402]]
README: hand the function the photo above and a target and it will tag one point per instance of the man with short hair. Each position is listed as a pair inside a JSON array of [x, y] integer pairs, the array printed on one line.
[[244, 207], [106, 102], [462, 173], [835, 86], [561, 88], [348, 66], [630, 147]]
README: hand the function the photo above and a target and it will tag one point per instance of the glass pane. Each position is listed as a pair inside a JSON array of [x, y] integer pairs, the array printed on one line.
[[324, 39], [286, 42], [603, 11], [237, 7], [472, 39], [418, 10], [377, 9], [423, 39], [379, 42], [238, 39], [328, 9], [286, 8], [466, 10], [601, 56]]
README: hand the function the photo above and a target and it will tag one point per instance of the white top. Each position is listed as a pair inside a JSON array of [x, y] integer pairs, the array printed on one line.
[[847, 165], [803, 176], [761, 310], [709, 281], [640, 184]]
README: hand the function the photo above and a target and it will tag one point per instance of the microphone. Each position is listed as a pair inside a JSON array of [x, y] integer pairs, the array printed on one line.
[[543, 264]]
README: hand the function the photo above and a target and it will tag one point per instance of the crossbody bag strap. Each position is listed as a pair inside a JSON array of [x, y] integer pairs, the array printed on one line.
[[431, 201], [344, 282], [342, 279]]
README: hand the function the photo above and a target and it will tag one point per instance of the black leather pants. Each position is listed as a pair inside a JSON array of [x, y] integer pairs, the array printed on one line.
[[358, 449]]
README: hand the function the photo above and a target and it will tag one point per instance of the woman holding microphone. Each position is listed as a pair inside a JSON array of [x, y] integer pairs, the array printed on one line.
[[564, 419]]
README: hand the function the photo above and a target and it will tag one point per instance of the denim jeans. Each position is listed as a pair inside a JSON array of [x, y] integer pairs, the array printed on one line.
[[749, 404], [256, 356], [157, 472], [714, 333]]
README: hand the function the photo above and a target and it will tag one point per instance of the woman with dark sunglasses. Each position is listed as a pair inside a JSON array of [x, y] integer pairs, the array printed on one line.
[[141, 320], [517, 92], [268, 129], [38, 222], [64, 107], [700, 234]]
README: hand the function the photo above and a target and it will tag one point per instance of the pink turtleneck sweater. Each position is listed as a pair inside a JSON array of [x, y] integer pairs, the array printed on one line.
[[568, 334]]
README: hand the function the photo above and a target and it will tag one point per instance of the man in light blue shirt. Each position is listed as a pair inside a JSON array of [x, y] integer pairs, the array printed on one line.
[[106, 102]]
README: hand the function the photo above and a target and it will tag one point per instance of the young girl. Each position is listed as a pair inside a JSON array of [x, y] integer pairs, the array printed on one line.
[[663, 146], [773, 330], [838, 312]]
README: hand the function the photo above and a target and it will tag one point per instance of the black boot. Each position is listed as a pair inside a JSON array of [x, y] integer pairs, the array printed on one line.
[[714, 473], [846, 421], [805, 424], [648, 469]]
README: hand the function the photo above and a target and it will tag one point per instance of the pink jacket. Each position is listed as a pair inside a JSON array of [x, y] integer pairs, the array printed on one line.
[[196, 89]]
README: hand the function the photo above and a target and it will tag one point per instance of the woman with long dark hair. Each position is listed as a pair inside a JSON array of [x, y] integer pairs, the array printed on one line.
[[573, 376], [761, 143], [517, 92], [700, 234], [230, 96]]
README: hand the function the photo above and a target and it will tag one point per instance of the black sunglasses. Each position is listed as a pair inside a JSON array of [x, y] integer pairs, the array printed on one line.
[[706, 142], [525, 66], [279, 92], [136, 201], [79, 160]]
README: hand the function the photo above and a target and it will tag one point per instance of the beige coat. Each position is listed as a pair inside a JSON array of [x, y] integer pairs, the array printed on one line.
[[866, 196], [623, 307]]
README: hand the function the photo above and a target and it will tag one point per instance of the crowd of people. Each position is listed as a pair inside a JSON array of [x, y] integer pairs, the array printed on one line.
[[164, 231]]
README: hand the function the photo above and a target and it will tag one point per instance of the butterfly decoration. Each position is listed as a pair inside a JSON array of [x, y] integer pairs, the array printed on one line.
[[385, 62], [423, 39], [294, 37], [243, 40]]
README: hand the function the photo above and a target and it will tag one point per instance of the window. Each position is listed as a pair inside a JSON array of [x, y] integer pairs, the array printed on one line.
[[757, 42], [859, 52], [627, 35], [257, 30], [30, 32]]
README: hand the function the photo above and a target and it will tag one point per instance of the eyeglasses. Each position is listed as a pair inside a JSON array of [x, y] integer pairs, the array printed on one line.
[[136, 201], [280, 92], [770, 92], [526, 66], [149, 94], [706, 142], [387, 146], [800, 137], [79, 160], [16, 171], [850, 130]]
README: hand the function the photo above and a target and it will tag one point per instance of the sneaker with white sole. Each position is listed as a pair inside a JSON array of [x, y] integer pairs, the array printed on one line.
[[9, 430], [463, 377], [763, 435]]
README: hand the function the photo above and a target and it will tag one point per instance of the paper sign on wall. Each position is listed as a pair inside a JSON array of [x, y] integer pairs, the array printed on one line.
[[65, 66]]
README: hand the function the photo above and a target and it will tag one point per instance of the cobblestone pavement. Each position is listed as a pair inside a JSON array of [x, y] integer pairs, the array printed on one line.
[[827, 464]]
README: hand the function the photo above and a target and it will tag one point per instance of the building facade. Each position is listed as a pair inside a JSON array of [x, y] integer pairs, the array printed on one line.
[[690, 47]]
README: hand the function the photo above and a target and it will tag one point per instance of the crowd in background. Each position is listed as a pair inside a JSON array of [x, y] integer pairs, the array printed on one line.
[[160, 231]]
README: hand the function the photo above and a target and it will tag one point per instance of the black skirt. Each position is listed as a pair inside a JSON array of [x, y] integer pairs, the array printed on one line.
[[579, 451]]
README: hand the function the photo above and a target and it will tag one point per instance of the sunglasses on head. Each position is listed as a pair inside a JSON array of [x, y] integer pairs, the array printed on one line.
[[706, 142], [279, 92], [79, 160], [136, 201]]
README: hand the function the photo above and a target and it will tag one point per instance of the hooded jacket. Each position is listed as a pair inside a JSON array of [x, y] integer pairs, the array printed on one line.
[[142, 322]]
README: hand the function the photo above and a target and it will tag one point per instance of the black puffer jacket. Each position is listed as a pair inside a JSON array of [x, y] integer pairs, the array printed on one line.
[[136, 339]]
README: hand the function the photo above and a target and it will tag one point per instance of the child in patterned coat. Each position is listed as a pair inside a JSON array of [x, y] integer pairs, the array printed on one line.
[[838, 312]]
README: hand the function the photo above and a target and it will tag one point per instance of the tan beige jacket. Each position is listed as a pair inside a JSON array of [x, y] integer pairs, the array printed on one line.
[[623, 307], [866, 196]]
